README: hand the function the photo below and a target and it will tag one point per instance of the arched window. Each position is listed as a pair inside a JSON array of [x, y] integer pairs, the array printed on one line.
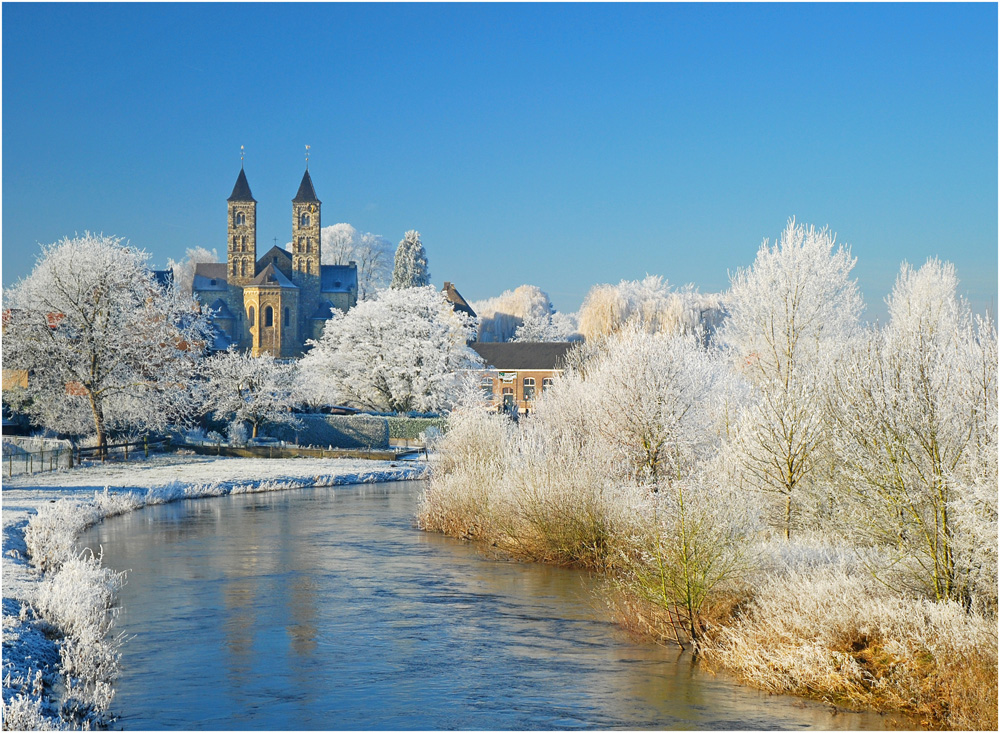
[[243, 268], [234, 268], [529, 388], [308, 267], [307, 245], [546, 384], [268, 316], [250, 316], [241, 218], [303, 220], [285, 322]]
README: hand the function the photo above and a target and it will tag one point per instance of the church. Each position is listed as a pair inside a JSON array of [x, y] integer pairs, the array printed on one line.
[[275, 303]]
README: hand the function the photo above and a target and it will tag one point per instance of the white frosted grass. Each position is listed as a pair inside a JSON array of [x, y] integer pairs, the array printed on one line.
[[70, 594]]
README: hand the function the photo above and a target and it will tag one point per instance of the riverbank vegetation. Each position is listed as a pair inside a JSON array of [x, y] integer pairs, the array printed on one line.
[[807, 501]]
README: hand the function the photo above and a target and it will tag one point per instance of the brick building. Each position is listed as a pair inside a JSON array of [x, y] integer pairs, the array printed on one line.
[[517, 372], [274, 303]]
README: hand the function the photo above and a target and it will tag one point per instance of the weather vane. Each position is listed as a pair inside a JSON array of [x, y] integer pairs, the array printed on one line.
[[241, 156], [307, 156]]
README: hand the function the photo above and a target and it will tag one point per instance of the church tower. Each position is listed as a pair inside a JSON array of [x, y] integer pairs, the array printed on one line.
[[306, 249], [306, 229], [241, 259]]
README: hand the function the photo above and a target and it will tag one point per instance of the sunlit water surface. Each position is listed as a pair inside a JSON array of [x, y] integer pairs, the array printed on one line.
[[327, 609]]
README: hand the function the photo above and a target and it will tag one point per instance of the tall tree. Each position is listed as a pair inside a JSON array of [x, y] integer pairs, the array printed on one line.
[[790, 316], [916, 423], [98, 336], [399, 352], [410, 270]]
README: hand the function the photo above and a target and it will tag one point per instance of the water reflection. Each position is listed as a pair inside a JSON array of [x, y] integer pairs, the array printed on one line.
[[326, 609]]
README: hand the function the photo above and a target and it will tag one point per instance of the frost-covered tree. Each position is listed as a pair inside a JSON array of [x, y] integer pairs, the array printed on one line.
[[916, 427], [101, 341], [400, 352], [410, 268], [790, 316], [501, 316], [372, 253], [651, 304], [247, 389], [184, 270]]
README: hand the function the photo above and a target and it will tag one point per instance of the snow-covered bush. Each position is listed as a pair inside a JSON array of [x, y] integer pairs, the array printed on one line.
[[846, 636]]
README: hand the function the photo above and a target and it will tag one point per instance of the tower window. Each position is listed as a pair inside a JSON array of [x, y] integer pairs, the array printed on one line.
[[268, 316], [304, 220], [241, 218], [308, 268]]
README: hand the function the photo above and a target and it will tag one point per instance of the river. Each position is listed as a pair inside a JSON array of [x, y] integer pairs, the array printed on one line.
[[327, 609]]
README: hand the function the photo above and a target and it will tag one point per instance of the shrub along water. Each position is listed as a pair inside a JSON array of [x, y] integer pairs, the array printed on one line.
[[633, 464]]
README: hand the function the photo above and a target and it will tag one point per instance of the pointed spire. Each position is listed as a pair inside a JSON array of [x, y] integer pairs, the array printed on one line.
[[306, 194], [241, 191]]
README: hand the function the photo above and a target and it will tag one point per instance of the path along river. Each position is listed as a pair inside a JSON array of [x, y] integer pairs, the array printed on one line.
[[327, 609]]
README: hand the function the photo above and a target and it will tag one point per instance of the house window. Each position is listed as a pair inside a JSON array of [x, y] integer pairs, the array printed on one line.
[[529, 388], [268, 316], [546, 384], [286, 319], [486, 385]]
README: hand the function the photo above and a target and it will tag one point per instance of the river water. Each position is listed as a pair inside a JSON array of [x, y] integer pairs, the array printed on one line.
[[327, 609]]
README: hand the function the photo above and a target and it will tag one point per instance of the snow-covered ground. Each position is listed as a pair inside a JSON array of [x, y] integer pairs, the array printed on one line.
[[30, 658]]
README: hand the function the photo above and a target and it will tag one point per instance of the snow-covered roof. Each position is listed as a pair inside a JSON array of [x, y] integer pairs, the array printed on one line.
[[338, 278], [221, 310], [271, 276], [324, 311], [210, 276], [524, 355]]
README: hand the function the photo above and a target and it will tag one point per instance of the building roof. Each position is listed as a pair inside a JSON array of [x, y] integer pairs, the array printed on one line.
[[209, 276], [221, 310], [338, 278], [275, 256], [324, 311], [271, 277], [457, 301], [241, 191], [523, 355], [306, 194]]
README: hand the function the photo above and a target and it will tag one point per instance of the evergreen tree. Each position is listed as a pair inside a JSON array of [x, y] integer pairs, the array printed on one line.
[[410, 269]]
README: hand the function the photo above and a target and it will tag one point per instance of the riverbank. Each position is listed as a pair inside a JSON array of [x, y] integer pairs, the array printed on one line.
[[42, 513]]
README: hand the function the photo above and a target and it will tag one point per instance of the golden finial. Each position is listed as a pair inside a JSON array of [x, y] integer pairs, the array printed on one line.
[[307, 157], [241, 155]]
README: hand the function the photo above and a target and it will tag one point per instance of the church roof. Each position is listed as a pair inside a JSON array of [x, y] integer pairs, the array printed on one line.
[[306, 194], [209, 276], [324, 311], [241, 191], [338, 278], [271, 276], [276, 256], [457, 301], [221, 310]]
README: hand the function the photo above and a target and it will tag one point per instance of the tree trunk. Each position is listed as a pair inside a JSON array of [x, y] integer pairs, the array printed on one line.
[[98, 412]]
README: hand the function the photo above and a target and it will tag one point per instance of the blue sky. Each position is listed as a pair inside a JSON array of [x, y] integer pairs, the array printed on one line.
[[559, 145]]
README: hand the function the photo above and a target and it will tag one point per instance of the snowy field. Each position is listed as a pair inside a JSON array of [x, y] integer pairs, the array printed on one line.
[[73, 499]]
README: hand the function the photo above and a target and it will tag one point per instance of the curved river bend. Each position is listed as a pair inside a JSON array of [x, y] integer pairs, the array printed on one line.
[[326, 609]]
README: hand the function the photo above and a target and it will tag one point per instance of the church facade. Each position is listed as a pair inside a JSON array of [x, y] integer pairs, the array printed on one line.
[[275, 303]]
